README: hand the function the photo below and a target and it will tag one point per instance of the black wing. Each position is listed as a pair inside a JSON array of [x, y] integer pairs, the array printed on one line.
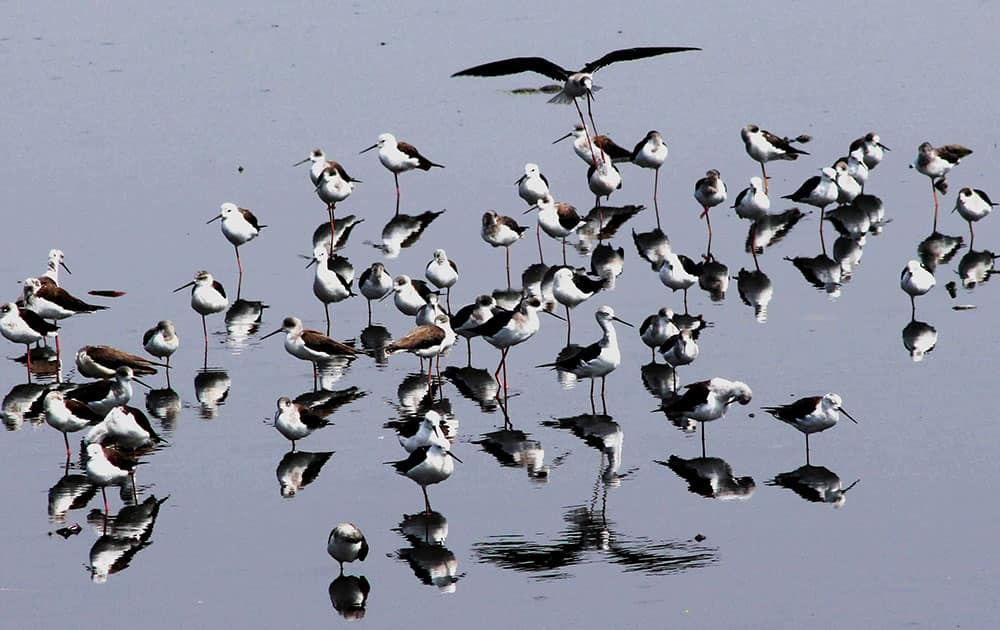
[[743, 194], [143, 421], [462, 315], [696, 394], [793, 411], [587, 284], [583, 356], [146, 336], [514, 65], [953, 152], [218, 287], [251, 219], [984, 196], [424, 164], [803, 192], [568, 217], [494, 324], [36, 323], [90, 392], [646, 323], [415, 459], [631, 54]]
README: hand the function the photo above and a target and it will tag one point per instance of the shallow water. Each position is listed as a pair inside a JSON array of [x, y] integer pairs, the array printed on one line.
[[127, 130]]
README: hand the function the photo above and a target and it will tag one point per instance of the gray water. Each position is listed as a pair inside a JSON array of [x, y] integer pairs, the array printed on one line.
[[126, 127]]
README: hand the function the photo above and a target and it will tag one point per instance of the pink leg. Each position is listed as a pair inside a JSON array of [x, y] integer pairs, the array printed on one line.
[[593, 157]]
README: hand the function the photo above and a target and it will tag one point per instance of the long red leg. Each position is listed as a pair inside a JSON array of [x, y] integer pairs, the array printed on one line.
[[593, 156]]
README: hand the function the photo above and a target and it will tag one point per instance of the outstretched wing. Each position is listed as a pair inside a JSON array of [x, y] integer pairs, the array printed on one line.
[[631, 54], [514, 65]]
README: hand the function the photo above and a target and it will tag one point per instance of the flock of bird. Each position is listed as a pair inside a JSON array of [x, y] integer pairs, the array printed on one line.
[[117, 433]]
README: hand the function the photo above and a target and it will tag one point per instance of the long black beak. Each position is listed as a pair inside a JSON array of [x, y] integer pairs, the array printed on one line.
[[561, 138], [374, 146], [554, 315], [381, 299], [63, 265], [301, 162], [189, 284], [215, 218], [311, 263], [135, 380], [844, 411], [434, 427], [520, 179], [271, 334], [534, 207], [622, 321], [884, 148], [455, 457]]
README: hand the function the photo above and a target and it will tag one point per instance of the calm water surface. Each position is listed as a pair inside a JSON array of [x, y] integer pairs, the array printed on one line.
[[127, 128]]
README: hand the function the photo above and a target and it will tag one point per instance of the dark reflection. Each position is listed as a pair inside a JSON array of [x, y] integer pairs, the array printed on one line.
[[475, 384], [590, 536], [165, 406], [713, 278], [976, 267], [342, 228], [821, 271], [71, 492], [660, 380], [849, 220], [847, 252], [243, 320], [416, 396], [515, 449], [938, 249], [814, 483], [601, 432], [653, 247], [330, 371], [124, 535], [432, 562], [919, 339], [349, 596], [375, 338], [531, 279], [771, 229], [44, 363], [325, 402], [211, 388], [601, 223], [608, 263], [298, 469], [403, 230], [711, 477], [875, 209], [22, 402], [756, 290], [507, 299]]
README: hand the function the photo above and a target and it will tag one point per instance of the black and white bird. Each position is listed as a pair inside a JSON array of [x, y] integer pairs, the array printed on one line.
[[936, 163], [239, 226], [680, 349], [557, 219], [657, 328], [207, 297], [296, 421], [819, 191], [50, 301], [399, 157], [678, 272], [425, 431], [426, 466], [972, 205], [598, 359], [332, 279], [871, 148], [916, 280], [507, 329], [409, 295], [848, 188], [428, 341], [103, 472], [333, 186], [651, 152], [428, 312], [311, 345], [603, 179], [125, 427], [571, 288], [346, 543], [575, 84], [501, 231], [103, 396], [811, 414], [20, 325], [471, 316], [709, 191], [374, 283], [752, 204], [67, 415], [705, 401], [161, 341], [442, 272], [763, 146]]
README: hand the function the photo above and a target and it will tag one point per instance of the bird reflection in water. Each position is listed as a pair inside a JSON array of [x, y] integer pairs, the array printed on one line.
[[821, 271], [974, 268], [817, 484], [756, 290], [601, 224], [403, 231], [165, 406], [243, 319], [416, 396], [22, 402], [711, 477], [659, 379], [713, 277], [919, 338], [432, 562], [342, 227], [601, 432], [938, 249], [211, 388], [375, 338], [298, 469], [71, 492], [652, 246], [475, 384], [514, 448], [349, 594], [121, 537]]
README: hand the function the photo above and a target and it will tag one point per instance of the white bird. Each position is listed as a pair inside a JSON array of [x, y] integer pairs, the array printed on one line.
[[705, 401], [67, 416], [426, 341], [710, 191], [428, 312], [426, 466], [651, 152], [936, 163], [811, 414], [603, 180], [20, 325], [472, 316], [847, 187], [399, 157], [332, 280], [409, 296], [916, 280], [207, 297], [126, 427], [657, 328], [557, 219], [296, 421], [103, 396], [239, 226], [871, 148], [102, 472], [571, 288], [374, 283], [311, 345], [442, 272], [753, 203], [819, 191], [501, 231], [598, 359], [346, 543], [161, 341], [763, 146], [532, 186], [681, 349], [677, 273]]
